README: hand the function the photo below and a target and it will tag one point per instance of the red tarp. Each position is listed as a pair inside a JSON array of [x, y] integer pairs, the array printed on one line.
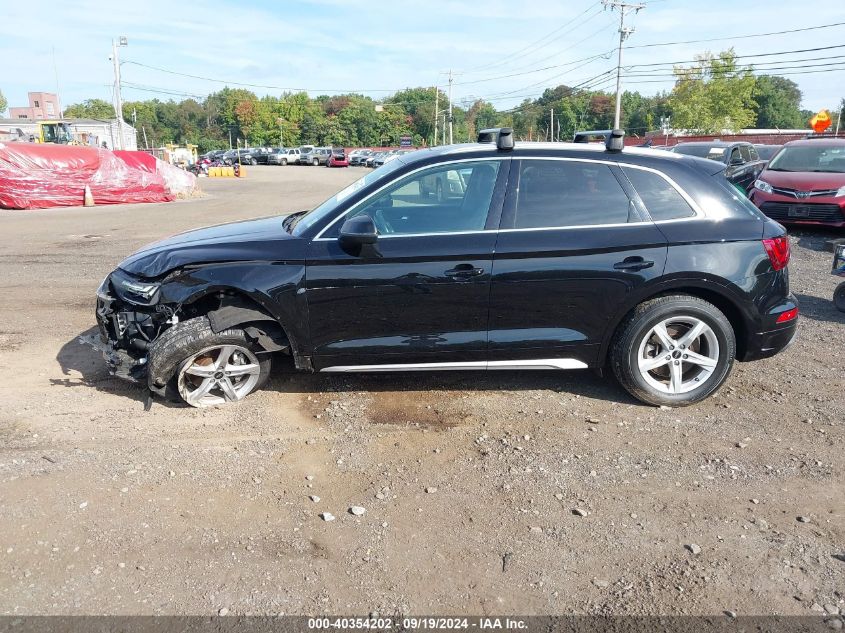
[[36, 176]]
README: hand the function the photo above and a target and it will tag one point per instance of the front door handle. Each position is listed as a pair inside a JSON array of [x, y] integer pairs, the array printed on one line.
[[464, 271], [633, 264]]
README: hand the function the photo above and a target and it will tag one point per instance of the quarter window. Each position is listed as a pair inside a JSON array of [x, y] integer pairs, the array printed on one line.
[[555, 193], [661, 199], [444, 199]]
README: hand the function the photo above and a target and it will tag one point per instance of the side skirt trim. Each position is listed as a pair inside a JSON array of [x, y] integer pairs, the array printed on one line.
[[542, 363]]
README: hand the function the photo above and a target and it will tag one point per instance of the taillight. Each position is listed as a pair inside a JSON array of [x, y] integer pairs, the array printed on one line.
[[788, 315], [777, 249]]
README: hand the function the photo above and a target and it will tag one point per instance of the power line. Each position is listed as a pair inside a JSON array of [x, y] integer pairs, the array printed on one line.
[[517, 54], [740, 37], [793, 52]]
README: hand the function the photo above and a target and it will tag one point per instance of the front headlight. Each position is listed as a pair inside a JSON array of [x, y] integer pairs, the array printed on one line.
[[134, 290], [841, 192], [763, 186]]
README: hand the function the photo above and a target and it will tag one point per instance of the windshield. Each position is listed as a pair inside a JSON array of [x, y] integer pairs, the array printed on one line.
[[702, 151], [326, 209], [810, 158]]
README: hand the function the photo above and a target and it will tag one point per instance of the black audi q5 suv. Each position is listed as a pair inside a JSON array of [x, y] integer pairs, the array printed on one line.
[[488, 255]]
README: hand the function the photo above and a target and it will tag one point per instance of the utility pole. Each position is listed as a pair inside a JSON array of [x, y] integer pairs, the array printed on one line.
[[552, 126], [436, 112], [838, 121], [118, 101], [450, 107], [624, 32]]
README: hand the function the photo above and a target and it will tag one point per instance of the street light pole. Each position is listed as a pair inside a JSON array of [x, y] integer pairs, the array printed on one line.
[[624, 32], [118, 101], [451, 139]]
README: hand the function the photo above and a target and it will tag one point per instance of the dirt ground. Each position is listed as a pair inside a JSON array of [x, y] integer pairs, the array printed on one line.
[[470, 481]]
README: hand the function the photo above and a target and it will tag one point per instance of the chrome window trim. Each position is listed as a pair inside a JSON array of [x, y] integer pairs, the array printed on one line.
[[699, 213], [319, 237]]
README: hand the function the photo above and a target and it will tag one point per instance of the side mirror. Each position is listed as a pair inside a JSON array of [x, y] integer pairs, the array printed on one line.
[[359, 230]]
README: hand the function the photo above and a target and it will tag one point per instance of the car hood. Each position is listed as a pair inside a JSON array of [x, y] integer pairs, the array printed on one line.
[[803, 180], [250, 240]]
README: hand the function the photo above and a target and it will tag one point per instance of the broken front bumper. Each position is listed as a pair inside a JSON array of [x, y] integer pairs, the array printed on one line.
[[113, 325]]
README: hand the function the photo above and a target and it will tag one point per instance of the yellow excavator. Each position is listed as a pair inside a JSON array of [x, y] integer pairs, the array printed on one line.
[[57, 132]]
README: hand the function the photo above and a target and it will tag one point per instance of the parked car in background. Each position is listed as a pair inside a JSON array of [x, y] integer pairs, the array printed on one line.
[[372, 158], [259, 155], [243, 156], [553, 256], [356, 156], [804, 183], [743, 163], [317, 156], [211, 157], [304, 150], [337, 158], [385, 157], [284, 156], [767, 152]]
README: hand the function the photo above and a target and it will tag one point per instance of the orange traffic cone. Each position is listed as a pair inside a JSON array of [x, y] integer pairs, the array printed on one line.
[[88, 200]]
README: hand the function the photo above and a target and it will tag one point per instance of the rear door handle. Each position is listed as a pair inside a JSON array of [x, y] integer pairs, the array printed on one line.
[[633, 264], [464, 271]]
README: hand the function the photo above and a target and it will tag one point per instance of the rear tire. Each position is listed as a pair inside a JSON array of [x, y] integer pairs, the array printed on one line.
[[284, 161], [315, 162], [673, 351], [192, 363], [839, 297]]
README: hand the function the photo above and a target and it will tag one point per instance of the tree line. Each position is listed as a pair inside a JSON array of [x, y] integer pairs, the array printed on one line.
[[712, 95]]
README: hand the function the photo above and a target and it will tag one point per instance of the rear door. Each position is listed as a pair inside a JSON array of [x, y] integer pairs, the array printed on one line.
[[573, 246]]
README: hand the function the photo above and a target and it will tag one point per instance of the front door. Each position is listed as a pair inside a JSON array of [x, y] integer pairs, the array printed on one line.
[[419, 295], [573, 245]]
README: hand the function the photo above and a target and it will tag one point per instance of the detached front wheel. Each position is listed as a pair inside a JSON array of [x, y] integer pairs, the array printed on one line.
[[673, 351], [203, 368]]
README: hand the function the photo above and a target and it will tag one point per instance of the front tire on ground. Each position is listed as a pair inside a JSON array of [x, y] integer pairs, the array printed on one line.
[[674, 350], [192, 363]]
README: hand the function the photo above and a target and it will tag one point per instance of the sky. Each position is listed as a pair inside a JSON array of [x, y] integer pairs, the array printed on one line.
[[499, 50]]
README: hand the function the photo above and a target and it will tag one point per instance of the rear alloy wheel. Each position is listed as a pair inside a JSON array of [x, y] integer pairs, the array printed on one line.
[[253, 162], [673, 351], [839, 297], [315, 162]]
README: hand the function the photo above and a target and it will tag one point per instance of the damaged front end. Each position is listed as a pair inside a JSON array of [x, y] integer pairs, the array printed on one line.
[[130, 317]]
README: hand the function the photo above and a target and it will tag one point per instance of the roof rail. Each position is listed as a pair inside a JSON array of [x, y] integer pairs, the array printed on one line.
[[613, 139], [502, 136]]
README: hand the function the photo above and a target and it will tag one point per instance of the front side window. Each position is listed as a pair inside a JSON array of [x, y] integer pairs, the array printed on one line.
[[447, 198], [745, 151], [554, 193], [660, 198]]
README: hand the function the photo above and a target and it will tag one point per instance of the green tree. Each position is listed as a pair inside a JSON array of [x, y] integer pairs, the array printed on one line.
[[713, 95], [3, 103], [91, 109], [778, 102]]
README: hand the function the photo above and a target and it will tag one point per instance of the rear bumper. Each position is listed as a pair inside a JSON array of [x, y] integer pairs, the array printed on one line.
[[769, 342]]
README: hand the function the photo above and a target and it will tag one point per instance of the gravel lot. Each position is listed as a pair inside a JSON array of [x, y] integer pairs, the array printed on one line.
[[532, 493]]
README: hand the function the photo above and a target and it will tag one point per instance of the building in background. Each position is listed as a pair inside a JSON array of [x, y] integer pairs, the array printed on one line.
[[90, 132], [42, 105]]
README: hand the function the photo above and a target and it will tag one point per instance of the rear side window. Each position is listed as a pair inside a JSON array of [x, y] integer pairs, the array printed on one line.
[[661, 199], [556, 193], [745, 151]]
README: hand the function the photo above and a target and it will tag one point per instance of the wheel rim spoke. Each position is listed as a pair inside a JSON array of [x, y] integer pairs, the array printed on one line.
[[700, 359], [649, 364], [200, 392], [223, 357], [241, 370], [694, 332], [667, 341], [202, 371], [228, 389], [676, 377]]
